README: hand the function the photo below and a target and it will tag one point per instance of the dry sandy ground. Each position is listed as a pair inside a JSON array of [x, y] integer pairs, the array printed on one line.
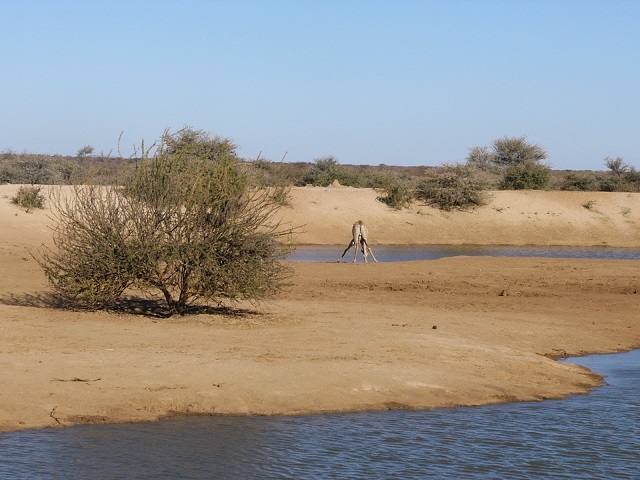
[[457, 331]]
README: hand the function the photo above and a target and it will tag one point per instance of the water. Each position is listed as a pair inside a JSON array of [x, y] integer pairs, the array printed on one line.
[[396, 253], [594, 436]]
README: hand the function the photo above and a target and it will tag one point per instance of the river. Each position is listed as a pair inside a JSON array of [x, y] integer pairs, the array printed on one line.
[[593, 436], [405, 253]]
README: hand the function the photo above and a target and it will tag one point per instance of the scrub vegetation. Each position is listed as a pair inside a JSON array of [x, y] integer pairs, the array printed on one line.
[[187, 224], [29, 197], [508, 163]]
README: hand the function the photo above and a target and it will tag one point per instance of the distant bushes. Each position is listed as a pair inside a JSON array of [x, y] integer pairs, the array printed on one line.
[[527, 175], [583, 182], [327, 170], [398, 192], [514, 163], [508, 163], [25, 168], [37, 169], [453, 187], [621, 177], [272, 176]]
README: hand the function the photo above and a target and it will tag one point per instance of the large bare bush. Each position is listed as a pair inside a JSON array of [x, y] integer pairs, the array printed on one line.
[[187, 224]]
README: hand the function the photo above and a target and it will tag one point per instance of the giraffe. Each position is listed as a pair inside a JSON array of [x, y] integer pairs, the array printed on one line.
[[360, 234]]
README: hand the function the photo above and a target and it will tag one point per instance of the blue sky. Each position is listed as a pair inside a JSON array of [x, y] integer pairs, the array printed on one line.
[[397, 82]]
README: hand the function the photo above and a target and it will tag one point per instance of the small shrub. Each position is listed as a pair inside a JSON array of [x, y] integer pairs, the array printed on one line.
[[398, 193], [589, 204], [527, 175], [454, 187], [29, 197], [579, 182]]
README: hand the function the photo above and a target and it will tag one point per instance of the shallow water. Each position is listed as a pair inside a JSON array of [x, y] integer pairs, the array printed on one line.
[[397, 253], [594, 436]]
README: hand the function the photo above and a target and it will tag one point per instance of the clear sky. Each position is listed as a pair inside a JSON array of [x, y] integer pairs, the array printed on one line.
[[368, 81]]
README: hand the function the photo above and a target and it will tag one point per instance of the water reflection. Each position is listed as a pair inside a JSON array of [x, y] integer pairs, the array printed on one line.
[[405, 253], [595, 436]]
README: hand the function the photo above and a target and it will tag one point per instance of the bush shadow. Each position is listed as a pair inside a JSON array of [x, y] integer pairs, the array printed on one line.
[[127, 305]]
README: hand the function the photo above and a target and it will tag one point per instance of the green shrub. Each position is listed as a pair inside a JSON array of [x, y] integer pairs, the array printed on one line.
[[398, 192], [527, 175], [188, 225], [579, 182], [29, 197], [626, 183], [453, 187]]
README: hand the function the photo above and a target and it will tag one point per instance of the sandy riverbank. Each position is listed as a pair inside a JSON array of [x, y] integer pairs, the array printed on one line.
[[456, 331], [511, 218]]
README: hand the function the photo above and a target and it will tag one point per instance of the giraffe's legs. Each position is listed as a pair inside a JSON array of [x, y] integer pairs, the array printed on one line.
[[348, 247], [367, 249]]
